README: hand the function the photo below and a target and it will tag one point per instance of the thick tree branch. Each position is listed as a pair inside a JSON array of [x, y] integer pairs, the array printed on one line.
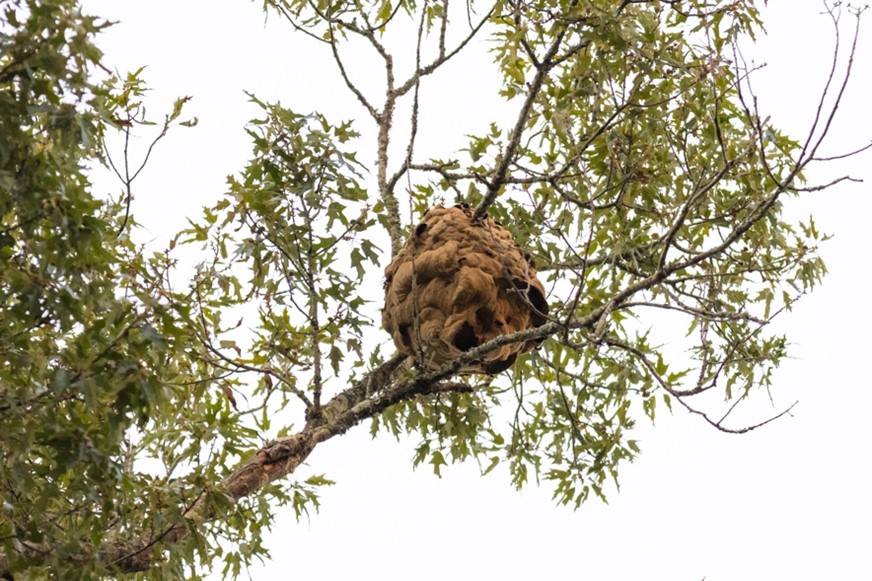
[[369, 396]]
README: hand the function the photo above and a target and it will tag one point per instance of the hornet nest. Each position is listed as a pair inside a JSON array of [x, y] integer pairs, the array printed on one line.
[[458, 283]]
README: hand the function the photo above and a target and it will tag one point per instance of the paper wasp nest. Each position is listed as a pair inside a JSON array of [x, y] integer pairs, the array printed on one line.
[[458, 283]]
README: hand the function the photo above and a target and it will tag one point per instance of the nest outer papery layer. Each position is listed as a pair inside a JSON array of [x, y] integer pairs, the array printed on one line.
[[458, 283]]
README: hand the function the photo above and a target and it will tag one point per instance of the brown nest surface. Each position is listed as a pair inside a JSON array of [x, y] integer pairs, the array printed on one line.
[[458, 283]]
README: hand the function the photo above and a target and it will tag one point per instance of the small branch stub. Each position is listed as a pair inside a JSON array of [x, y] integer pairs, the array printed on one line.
[[457, 283]]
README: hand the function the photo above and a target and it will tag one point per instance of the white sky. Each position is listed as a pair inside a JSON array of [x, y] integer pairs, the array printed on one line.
[[789, 501]]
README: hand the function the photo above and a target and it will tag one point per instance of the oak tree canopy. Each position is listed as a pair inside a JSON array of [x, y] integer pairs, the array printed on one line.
[[151, 425]]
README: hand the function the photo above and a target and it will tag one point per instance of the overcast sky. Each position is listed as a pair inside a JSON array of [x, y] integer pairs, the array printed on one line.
[[789, 501]]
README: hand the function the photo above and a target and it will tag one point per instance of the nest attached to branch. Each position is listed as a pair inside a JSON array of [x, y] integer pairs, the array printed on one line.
[[458, 283]]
